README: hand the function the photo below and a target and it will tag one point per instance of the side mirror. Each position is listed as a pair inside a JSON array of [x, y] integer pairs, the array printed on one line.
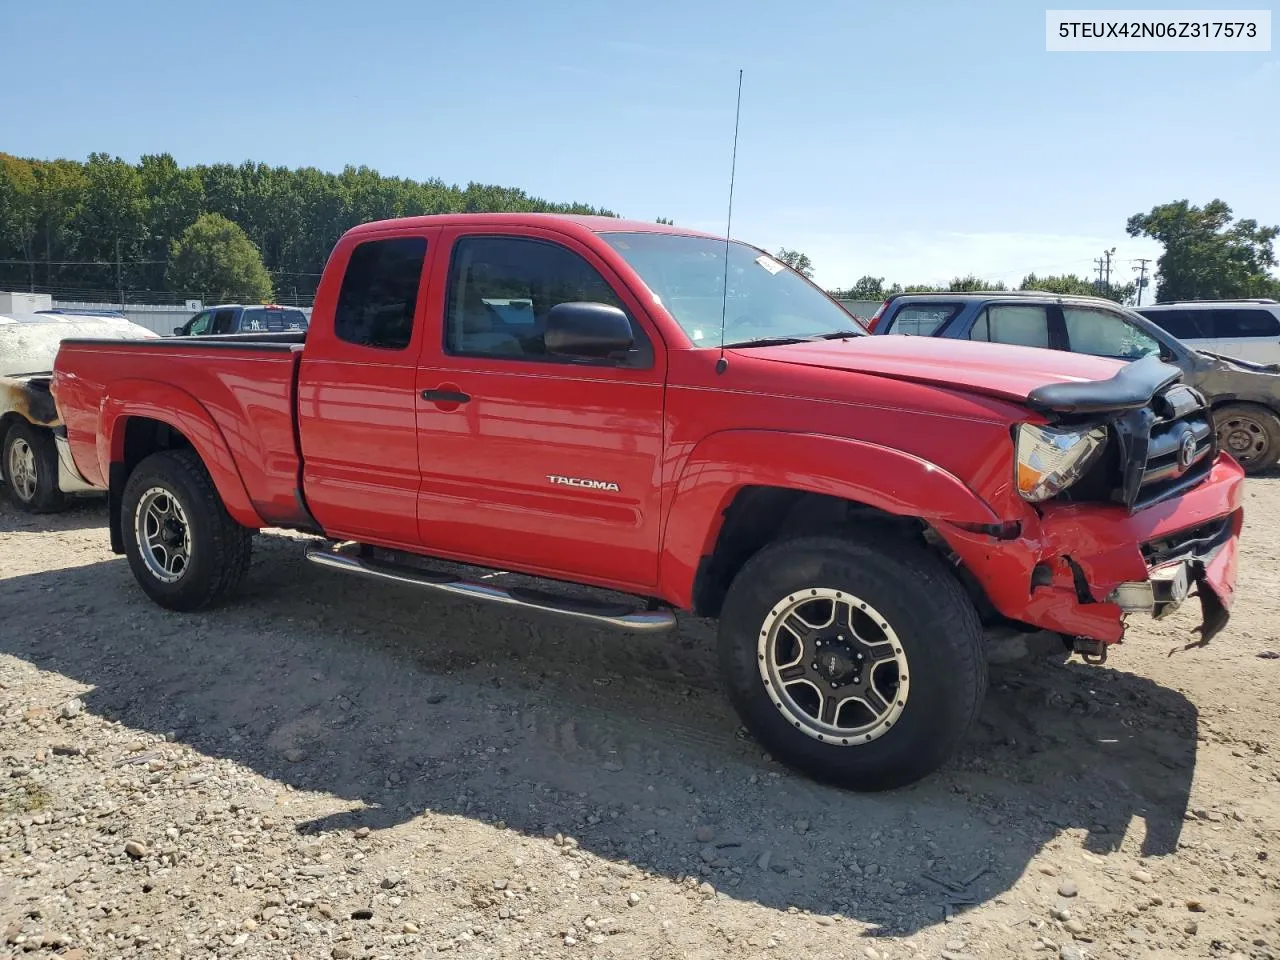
[[178, 331], [587, 330]]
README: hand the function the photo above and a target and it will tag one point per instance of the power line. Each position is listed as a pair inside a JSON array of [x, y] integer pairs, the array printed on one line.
[[1142, 276]]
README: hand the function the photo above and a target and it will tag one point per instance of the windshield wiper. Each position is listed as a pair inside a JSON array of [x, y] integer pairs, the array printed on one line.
[[782, 341]]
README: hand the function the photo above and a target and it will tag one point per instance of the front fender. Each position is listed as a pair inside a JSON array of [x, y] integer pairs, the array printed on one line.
[[723, 463], [184, 413]]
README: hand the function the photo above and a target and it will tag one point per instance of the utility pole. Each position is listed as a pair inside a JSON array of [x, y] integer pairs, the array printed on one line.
[[1142, 276], [1108, 254], [1098, 262], [119, 281]]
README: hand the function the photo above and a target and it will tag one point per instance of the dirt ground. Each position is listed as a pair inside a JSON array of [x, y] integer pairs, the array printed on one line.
[[333, 769]]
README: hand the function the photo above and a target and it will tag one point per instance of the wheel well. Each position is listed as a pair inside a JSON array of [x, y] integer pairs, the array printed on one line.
[[758, 516], [144, 436]]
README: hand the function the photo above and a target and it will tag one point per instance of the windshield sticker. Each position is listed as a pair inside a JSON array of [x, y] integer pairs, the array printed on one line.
[[770, 264]]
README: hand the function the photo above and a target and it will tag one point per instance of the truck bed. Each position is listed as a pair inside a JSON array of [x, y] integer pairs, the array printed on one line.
[[235, 393]]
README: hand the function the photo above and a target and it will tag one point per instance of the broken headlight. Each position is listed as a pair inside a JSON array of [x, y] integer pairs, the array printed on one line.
[[1047, 460]]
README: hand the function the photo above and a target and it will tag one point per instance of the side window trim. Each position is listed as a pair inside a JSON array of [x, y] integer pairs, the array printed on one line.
[[641, 357]]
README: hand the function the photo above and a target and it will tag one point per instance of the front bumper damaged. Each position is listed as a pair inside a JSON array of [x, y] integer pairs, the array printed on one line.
[[1079, 569]]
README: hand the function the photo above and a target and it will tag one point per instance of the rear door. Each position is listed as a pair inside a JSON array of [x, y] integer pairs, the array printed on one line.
[[529, 460], [357, 391]]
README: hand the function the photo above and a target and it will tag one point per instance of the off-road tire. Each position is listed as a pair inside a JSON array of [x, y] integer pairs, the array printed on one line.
[[47, 497], [1246, 418], [932, 617], [220, 547]]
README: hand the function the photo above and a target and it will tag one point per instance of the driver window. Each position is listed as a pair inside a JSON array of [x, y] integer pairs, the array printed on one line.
[[501, 290], [199, 323], [1104, 334]]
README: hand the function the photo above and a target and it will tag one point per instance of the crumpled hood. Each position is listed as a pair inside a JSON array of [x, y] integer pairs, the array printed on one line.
[[988, 368]]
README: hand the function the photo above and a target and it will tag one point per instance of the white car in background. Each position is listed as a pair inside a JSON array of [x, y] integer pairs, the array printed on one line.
[[1243, 329], [35, 464]]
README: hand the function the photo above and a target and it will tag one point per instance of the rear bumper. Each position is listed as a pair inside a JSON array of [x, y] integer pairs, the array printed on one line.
[[1078, 569]]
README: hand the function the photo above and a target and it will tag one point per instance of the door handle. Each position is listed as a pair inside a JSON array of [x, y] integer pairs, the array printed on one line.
[[445, 396]]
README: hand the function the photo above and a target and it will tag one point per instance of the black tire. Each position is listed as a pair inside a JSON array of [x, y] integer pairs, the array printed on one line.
[[1250, 433], [217, 548], [45, 496], [930, 615]]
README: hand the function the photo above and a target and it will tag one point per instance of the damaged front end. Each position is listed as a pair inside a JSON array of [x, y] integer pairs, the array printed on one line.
[[1131, 509]]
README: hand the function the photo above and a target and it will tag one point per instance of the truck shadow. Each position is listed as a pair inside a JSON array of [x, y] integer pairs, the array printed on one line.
[[399, 705]]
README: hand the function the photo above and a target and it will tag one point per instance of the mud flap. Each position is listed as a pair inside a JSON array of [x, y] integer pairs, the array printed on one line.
[[117, 477]]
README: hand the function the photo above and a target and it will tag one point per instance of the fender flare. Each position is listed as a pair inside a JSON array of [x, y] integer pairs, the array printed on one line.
[[724, 463], [183, 412]]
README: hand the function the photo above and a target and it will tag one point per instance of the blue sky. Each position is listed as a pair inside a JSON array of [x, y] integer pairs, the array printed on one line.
[[909, 140]]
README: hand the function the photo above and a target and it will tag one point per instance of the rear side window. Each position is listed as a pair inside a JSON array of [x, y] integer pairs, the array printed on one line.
[[1018, 324], [1183, 324], [924, 319], [272, 320], [380, 293], [1244, 323]]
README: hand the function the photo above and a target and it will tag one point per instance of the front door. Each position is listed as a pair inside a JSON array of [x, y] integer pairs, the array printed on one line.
[[528, 460]]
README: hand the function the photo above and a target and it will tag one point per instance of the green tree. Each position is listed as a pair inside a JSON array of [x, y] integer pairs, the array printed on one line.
[[216, 258], [796, 260], [19, 209], [972, 284], [1069, 285], [174, 199], [1208, 254], [667, 220], [866, 288]]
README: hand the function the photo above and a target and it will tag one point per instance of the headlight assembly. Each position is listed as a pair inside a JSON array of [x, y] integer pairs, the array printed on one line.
[[1049, 459]]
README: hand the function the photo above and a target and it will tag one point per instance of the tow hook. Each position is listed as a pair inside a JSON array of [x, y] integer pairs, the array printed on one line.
[[1091, 651]]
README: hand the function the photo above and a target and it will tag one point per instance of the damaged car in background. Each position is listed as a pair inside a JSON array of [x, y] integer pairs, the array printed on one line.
[[35, 464]]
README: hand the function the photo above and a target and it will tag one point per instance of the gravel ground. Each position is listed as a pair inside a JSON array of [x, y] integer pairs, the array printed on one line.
[[333, 769]]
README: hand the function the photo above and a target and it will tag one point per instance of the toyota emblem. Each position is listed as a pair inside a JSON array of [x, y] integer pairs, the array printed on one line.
[[1186, 450]]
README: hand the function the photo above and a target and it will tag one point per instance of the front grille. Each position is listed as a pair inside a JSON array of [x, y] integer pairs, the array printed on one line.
[[1180, 446], [1148, 456]]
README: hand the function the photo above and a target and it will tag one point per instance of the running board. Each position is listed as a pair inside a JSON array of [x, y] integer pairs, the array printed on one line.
[[346, 557]]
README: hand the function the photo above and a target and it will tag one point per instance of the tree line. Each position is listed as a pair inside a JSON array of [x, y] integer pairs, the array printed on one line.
[[107, 224]]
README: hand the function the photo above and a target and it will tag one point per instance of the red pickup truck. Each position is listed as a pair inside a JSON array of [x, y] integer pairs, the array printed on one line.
[[549, 396]]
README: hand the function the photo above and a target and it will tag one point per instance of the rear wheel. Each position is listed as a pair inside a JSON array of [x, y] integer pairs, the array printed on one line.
[[31, 469], [856, 665], [1249, 433], [185, 550]]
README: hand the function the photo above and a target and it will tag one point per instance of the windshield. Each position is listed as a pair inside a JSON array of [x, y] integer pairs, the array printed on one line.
[[767, 300]]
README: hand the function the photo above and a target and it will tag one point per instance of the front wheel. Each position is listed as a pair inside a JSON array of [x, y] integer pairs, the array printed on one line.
[[1249, 433], [857, 665], [185, 550], [31, 469]]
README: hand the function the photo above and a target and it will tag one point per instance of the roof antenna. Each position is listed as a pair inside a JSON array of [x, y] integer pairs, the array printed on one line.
[[722, 364]]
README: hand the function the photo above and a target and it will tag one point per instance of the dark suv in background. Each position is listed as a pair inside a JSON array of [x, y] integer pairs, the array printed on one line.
[[243, 318], [1245, 396]]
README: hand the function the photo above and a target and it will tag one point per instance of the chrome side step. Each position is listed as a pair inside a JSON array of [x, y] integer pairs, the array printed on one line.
[[346, 557]]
